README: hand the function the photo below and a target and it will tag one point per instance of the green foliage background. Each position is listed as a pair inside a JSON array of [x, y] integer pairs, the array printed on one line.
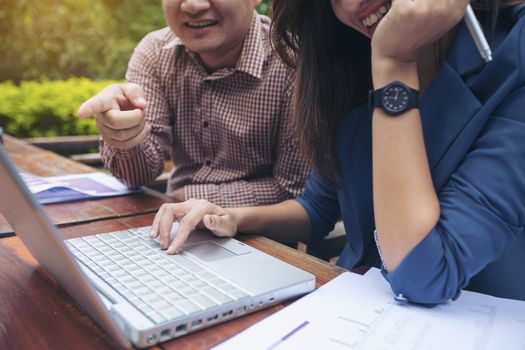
[[47, 108], [57, 39], [47, 45]]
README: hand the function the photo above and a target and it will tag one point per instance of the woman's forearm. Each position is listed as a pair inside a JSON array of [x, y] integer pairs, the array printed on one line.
[[406, 206], [287, 221]]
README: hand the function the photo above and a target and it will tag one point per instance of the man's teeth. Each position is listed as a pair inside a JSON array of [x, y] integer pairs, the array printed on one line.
[[201, 24], [376, 16]]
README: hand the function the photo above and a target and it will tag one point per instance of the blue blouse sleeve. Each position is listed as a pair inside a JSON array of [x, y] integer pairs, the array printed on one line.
[[321, 202], [482, 210]]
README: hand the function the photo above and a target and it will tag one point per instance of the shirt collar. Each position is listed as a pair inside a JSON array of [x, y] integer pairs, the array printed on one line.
[[253, 51], [173, 43], [251, 60]]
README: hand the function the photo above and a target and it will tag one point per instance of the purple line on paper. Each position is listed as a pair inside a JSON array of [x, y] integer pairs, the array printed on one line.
[[295, 330], [292, 332]]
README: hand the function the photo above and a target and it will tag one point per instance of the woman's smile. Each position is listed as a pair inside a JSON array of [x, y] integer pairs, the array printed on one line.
[[371, 18]]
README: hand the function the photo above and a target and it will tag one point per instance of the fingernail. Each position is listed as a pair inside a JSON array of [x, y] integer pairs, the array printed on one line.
[[141, 100]]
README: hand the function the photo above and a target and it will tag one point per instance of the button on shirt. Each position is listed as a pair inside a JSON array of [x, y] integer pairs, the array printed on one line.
[[228, 132]]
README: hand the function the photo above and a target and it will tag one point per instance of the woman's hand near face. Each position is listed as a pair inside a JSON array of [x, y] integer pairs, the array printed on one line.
[[410, 25], [191, 214]]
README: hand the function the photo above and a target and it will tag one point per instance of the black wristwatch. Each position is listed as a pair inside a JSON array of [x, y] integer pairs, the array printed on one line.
[[395, 98]]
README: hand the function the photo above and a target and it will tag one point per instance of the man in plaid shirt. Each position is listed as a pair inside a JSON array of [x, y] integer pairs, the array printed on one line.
[[209, 92]]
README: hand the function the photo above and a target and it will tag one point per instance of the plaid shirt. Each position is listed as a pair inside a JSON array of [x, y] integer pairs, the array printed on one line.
[[229, 132]]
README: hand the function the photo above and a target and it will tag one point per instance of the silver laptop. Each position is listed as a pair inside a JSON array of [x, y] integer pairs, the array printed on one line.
[[138, 293]]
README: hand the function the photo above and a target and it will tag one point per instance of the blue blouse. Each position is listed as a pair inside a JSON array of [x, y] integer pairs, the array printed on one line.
[[473, 120]]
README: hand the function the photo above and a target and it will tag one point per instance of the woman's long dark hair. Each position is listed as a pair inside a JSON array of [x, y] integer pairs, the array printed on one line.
[[490, 11], [331, 61], [333, 73]]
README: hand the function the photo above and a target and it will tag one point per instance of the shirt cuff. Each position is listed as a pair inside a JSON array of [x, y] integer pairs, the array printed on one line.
[[124, 154], [423, 276]]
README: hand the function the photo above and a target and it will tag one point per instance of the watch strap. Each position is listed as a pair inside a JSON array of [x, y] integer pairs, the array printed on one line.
[[375, 97]]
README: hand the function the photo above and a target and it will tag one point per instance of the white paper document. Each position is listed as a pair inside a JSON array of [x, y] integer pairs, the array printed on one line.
[[359, 312], [57, 189]]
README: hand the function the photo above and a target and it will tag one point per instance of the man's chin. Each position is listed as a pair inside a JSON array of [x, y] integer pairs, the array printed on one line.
[[202, 48]]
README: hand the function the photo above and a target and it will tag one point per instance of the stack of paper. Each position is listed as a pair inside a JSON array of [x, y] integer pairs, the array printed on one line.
[[359, 312], [74, 187]]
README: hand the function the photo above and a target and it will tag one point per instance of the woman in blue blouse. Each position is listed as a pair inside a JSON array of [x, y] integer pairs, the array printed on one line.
[[432, 188]]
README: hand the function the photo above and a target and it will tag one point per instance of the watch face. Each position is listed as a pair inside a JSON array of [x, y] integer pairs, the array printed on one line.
[[395, 98]]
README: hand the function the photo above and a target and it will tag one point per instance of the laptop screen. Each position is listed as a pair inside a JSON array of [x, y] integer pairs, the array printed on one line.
[[42, 239]]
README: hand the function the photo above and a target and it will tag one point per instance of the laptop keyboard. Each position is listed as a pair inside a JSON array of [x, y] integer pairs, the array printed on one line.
[[161, 286]]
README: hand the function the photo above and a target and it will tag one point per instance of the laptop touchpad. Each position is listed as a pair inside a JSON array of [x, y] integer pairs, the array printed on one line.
[[209, 251]]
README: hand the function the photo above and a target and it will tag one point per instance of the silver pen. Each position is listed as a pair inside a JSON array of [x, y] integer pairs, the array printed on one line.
[[477, 34]]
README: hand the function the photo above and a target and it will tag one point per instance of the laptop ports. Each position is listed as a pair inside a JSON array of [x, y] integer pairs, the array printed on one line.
[[152, 339], [181, 329], [165, 334], [212, 318], [196, 324], [227, 313]]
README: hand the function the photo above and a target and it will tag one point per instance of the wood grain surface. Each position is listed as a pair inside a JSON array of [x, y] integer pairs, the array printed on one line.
[[37, 161]]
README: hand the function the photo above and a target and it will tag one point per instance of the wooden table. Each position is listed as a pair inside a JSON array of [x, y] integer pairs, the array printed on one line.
[[37, 161], [36, 313]]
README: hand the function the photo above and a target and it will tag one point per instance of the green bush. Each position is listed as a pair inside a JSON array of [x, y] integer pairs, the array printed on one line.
[[264, 8], [47, 108], [58, 39]]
